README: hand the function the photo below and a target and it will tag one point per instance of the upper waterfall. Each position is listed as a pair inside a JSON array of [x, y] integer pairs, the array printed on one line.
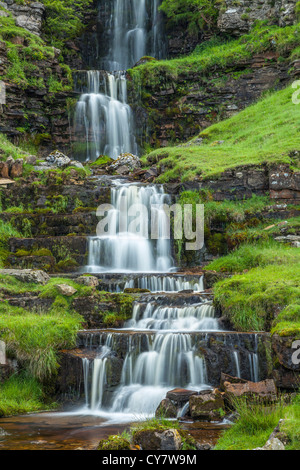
[[135, 30]]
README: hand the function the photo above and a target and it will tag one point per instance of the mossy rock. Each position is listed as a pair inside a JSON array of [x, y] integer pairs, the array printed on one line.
[[114, 443]]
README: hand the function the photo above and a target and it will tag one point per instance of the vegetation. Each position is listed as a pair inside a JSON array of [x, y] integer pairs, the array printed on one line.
[[268, 288], [21, 394], [267, 131], [195, 16], [256, 423]]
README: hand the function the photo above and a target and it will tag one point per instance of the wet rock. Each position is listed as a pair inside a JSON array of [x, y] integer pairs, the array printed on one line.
[[27, 275], [167, 409], [158, 440], [65, 289], [207, 405], [265, 390], [180, 396]]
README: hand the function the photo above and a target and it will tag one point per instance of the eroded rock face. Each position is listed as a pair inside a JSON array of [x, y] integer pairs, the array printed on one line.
[[237, 18], [28, 16]]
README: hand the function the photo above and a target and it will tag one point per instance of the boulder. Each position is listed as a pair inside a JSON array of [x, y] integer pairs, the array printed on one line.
[[125, 164], [27, 275], [180, 396], [166, 409], [31, 159], [4, 170], [90, 281], [207, 405], [58, 159], [16, 169], [272, 444], [65, 289], [265, 390], [157, 439]]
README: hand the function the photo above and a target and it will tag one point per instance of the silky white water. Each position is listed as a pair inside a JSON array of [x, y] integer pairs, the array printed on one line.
[[104, 122], [189, 318], [127, 249], [166, 284]]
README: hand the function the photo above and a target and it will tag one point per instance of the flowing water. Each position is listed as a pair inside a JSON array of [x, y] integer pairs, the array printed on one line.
[[103, 122], [126, 248]]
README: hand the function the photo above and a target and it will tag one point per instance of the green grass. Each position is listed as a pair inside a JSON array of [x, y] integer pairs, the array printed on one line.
[[267, 131], [21, 394], [220, 54], [252, 300], [253, 428], [34, 339], [252, 255]]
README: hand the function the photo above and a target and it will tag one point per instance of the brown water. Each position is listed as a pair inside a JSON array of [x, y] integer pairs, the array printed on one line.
[[63, 431], [55, 431]]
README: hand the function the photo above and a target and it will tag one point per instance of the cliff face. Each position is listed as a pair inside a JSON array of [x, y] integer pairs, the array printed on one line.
[[176, 110], [236, 18]]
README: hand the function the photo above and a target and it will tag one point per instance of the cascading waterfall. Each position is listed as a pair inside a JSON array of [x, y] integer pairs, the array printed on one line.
[[136, 31], [103, 119], [103, 123], [190, 318], [165, 284], [128, 251], [168, 359]]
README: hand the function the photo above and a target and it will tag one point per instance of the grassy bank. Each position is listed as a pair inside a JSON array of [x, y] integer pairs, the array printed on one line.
[[265, 295], [267, 131], [256, 424], [21, 394]]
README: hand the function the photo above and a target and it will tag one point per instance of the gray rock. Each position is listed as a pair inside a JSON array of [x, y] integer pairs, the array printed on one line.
[[90, 281], [27, 275], [65, 289], [31, 160], [237, 18], [272, 444]]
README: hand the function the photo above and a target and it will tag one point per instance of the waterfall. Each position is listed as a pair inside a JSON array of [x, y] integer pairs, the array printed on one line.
[[103, 122], [190, 318], [166, 284], [135, 31], [124, 250], [166, 361], [103, 119]]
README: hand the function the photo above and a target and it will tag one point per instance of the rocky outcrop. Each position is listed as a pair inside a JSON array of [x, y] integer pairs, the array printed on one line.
[[173, 110], [11, 168], [237, 18], [28, 15]]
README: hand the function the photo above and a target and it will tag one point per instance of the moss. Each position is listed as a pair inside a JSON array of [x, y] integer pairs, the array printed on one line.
[[114, 443]]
